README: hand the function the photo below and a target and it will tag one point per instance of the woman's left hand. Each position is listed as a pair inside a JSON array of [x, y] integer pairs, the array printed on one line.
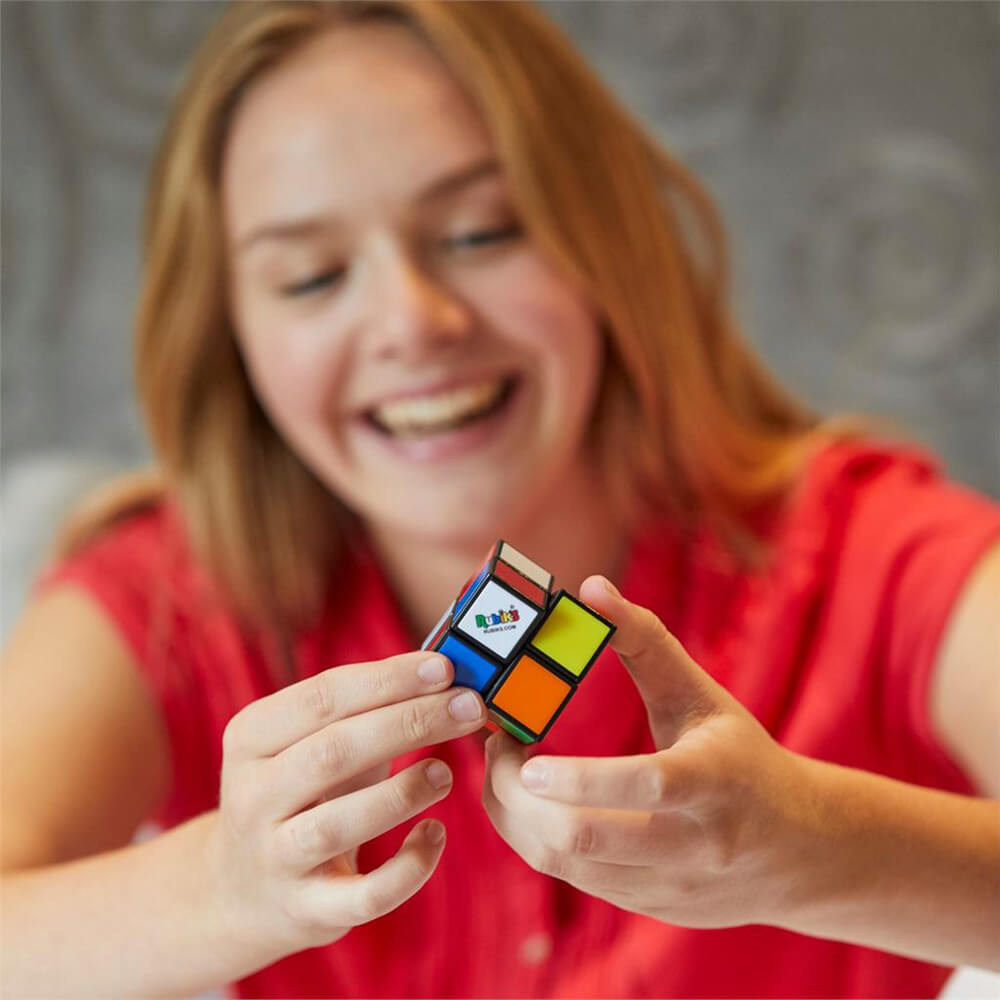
[[698, 833]]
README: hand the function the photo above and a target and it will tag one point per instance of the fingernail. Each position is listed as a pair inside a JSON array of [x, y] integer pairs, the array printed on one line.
[[535, 776], [432, 671], [434, 832], [611, 588], [466, 707], [438, 774]]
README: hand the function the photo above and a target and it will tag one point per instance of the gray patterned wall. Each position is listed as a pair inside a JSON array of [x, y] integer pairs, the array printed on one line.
[[853, 149]]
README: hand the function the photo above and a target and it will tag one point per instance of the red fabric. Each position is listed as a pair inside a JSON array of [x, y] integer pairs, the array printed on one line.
[[831, 647]]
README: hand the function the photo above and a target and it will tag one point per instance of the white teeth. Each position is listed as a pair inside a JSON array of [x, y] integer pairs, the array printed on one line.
[[420, 414]]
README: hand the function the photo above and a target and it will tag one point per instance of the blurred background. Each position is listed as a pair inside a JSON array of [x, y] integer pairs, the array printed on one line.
[[853, 149]]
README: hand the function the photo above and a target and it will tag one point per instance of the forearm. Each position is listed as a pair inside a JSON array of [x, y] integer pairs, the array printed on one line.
[[893, 866], [138, 921]]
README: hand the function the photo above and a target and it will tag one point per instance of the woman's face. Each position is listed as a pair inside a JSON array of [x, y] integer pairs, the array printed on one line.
[[403, 334]]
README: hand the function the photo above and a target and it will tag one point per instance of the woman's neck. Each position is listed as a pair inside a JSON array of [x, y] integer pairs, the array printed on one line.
[[572, 539]]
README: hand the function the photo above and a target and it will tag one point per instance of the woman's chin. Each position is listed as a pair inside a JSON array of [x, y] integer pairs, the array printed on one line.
[[474, 521]]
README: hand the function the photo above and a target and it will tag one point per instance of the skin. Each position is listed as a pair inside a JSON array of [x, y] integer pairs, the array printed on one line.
[[723, 826], [415, 284], [719, 826]]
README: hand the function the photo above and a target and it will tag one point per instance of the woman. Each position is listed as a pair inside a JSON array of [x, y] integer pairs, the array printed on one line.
[[414, 281]]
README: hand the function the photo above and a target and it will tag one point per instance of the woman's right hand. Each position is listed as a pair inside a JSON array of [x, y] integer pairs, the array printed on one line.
[[305, 783]]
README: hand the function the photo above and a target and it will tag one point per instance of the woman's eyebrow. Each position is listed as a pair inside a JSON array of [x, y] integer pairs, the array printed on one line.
[[446, 185], [460, 178]]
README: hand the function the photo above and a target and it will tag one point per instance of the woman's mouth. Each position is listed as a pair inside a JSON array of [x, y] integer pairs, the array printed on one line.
[[442, 412], [443, 425]]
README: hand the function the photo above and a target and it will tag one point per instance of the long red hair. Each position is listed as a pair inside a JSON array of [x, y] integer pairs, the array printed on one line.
[[687, 420]]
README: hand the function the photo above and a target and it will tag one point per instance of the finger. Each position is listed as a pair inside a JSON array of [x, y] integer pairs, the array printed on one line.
[[314, 836], [357, 899], [675, 689], [519, 835], [590, 874], [504, 758], [360, 780], [272, 724], [302, 773], [668, 779], [575, 833], [588, 856]]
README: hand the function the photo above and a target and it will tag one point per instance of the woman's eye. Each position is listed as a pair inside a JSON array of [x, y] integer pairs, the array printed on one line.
[[484, 237], [314, 284]]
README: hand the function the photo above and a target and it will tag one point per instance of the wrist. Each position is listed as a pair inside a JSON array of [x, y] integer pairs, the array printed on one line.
[[247, 946], [808, 857], [869, 857]]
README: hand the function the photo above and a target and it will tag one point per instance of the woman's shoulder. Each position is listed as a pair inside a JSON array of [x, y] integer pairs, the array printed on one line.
[[843, 471], [130, 555], [856, 505], [149, 531], [881, 540], [876, 491], [873, 530]]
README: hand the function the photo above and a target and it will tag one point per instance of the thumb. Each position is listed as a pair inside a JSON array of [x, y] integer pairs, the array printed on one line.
[[677, 692]]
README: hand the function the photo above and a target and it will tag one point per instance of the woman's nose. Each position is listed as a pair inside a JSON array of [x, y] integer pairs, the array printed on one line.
[[416, 313]]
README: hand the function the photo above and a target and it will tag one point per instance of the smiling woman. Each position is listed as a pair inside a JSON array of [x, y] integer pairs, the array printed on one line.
[[435, 211], [442, 384], [413, 281]]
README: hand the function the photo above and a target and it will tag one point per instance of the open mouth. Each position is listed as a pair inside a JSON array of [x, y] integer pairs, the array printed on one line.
[[443, 412]]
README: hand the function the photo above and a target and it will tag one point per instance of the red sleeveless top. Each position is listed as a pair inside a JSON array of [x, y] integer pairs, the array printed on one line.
[[831, 647]]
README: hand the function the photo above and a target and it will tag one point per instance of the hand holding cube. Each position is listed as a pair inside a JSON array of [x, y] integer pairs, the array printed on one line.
[[524, 648]]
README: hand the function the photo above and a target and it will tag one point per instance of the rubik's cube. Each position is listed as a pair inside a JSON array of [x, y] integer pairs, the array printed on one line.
[[524, 648]]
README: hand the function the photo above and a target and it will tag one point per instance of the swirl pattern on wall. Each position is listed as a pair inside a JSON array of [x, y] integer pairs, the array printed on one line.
[[111, 68], [40, 214], [704, 73], [900, 261]]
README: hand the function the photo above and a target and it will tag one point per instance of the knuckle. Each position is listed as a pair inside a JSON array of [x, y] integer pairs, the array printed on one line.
[[301, 915], [687, 888], [577, 784], [240, 801], [370, 902], [419, 789], [721, 842], [486, 795], [414, 724], [402, 796], [383, 684], [293, 911], [655, 784], [714, 779], [307, 837], [293, 842], [326, 754], [675, 645], [580, 838], [723, 851], [547, 861], [318, 700], [232, 736], [655, 627]]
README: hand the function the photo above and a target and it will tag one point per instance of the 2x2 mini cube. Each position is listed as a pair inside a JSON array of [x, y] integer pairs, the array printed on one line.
[[523, 648], [537, 687]]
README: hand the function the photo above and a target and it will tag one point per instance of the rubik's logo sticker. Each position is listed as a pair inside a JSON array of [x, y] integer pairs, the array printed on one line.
[[489, 622], [524, 648]]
